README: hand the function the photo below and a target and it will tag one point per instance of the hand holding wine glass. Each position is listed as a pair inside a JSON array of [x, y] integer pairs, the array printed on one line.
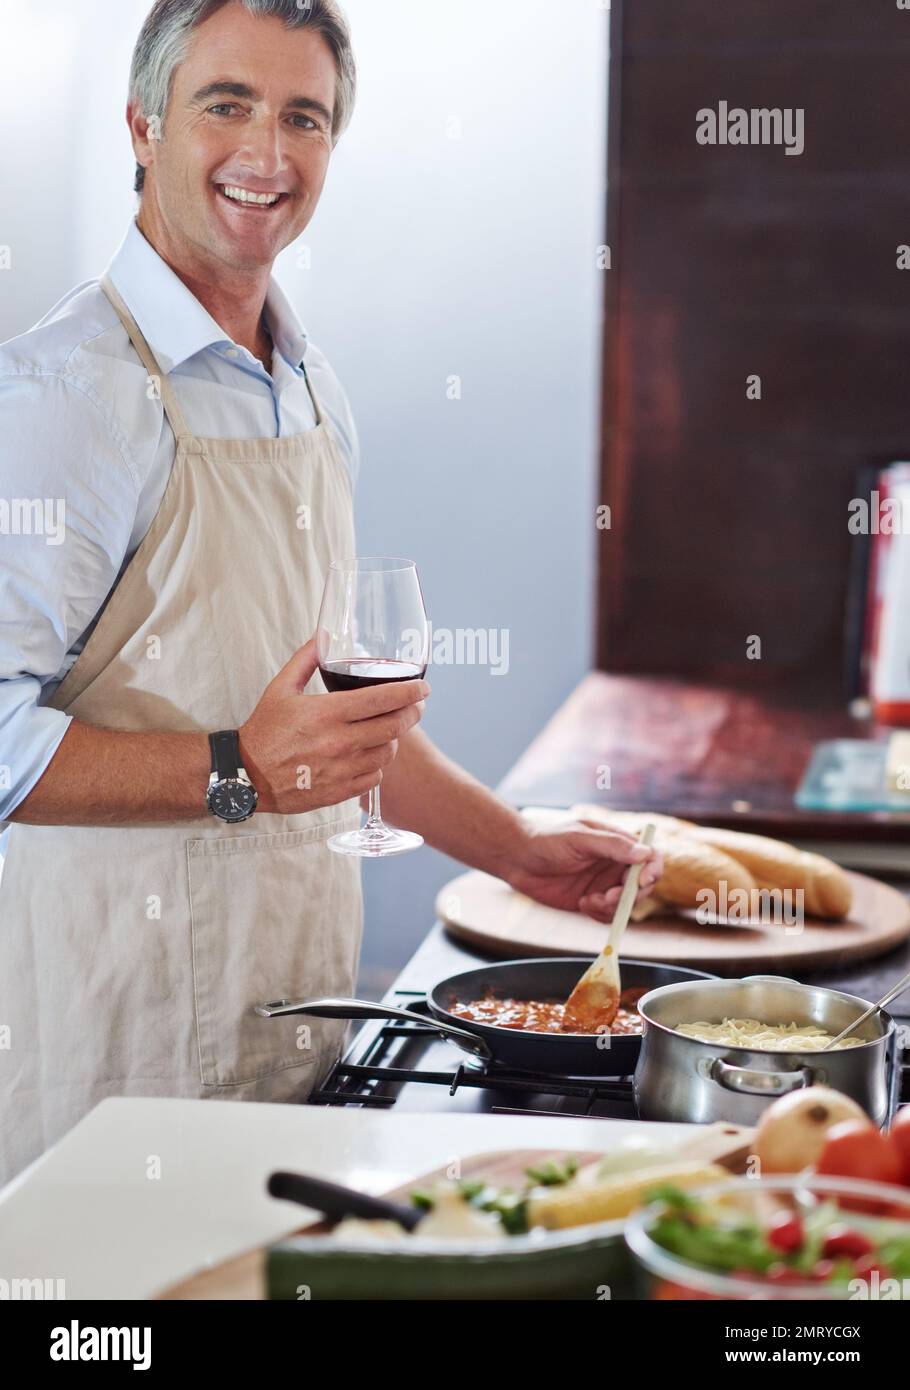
[[342, 744], [372, 630]]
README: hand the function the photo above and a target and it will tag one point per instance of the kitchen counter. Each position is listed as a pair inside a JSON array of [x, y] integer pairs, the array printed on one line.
[[702, 753], [143, 1193]]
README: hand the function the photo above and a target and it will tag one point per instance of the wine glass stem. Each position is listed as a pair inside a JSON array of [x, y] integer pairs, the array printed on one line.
[[374, 815]]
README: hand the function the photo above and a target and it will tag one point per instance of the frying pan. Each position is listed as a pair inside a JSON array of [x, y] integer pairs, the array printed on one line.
[[543, 978]]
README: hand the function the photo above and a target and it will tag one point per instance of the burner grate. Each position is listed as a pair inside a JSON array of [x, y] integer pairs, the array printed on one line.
[[388, 1056]]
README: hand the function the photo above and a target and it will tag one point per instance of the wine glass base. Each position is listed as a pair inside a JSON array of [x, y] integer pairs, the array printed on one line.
[[375, 844]]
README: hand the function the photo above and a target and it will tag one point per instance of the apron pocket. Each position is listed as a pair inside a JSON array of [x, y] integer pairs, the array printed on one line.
[[274, 916]]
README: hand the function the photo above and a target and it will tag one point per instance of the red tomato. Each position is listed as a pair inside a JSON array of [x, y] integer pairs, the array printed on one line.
[[899, 1138], [822, 1270], [900, 1211], [869, 1265], [840, 1240], [786, 1233], [854, 1149]]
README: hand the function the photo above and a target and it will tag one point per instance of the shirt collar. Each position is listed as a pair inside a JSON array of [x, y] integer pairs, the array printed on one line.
[[174, 323]]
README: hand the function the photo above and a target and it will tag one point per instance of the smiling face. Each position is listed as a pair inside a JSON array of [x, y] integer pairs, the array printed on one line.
[[247, 142]]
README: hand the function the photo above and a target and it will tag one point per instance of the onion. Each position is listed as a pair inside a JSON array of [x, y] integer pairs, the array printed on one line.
[[792, 1131]]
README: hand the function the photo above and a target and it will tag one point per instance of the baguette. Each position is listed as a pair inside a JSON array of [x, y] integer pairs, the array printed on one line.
[[761, 863], [632, 822], [690, 867], [774, 864]]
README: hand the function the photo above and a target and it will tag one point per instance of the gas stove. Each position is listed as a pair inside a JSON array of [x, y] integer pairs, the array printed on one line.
[[406, 1065], [392, 1063]]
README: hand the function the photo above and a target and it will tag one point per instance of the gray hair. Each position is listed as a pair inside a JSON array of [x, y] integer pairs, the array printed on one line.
[[163, 42]]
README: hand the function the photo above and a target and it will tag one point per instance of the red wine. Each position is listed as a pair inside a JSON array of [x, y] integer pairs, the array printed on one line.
[[359, 671]]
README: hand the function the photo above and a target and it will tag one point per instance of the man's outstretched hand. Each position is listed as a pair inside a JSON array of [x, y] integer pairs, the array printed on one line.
[[580, 867]]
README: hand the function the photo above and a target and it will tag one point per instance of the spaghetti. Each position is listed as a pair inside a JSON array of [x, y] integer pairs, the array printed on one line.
[[764, 1037]]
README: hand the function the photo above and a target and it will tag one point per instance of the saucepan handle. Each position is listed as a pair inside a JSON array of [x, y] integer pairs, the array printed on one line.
[[367, 1008], [750, 1082]]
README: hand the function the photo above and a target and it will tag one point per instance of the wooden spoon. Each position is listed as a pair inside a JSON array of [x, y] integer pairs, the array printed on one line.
[[594, 1002]]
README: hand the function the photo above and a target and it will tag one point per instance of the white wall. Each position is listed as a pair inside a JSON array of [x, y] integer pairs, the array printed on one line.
[[431, 256]]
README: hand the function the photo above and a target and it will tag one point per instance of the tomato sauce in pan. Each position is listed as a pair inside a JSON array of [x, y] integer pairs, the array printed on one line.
[[542, 1016]]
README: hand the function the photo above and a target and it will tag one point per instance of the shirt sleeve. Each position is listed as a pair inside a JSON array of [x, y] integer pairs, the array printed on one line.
[[68, 500]]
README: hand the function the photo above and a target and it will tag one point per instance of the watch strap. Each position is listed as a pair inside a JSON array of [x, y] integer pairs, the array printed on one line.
[[225, 746]]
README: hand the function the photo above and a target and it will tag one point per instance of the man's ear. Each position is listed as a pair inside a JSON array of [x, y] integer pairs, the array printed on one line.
[[145, 132]]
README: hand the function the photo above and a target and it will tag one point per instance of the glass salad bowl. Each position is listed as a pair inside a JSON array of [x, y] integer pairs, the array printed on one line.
[[781, 1238]]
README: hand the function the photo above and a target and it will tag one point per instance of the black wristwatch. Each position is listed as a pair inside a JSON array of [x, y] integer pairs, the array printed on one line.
[[231, 795]]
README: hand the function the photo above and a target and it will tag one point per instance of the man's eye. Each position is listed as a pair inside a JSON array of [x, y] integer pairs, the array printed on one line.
[[222, 108], [310, 123]]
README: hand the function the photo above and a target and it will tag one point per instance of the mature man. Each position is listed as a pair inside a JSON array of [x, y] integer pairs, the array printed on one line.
[[178, 409]]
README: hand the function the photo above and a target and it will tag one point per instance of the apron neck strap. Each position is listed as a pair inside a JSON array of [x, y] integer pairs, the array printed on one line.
[[317, 404], [159, 378]]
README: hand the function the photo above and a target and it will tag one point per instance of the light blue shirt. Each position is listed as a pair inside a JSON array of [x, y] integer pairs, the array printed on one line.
[[78, 427]]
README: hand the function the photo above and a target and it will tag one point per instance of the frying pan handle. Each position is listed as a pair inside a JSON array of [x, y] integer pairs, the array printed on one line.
[[758, 1083], [367, 1008]]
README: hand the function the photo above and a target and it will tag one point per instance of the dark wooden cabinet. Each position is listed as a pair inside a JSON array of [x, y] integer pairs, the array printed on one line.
[[729, 515]]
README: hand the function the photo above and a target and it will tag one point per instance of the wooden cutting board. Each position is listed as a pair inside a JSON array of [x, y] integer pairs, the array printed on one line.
[[244, 1277], [484, 912]]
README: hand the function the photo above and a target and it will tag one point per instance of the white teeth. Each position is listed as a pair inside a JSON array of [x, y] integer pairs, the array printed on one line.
[[242, 195]]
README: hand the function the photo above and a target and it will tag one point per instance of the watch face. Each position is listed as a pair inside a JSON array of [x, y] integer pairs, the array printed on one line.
[[232, 799]]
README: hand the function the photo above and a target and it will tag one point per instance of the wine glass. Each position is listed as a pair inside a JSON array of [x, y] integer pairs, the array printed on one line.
[[372, 629]]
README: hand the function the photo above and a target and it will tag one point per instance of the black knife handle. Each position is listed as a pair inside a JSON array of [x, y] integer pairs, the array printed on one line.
[[335, 1201]]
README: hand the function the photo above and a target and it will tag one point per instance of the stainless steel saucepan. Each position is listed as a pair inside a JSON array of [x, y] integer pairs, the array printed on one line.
[[684, 1079]]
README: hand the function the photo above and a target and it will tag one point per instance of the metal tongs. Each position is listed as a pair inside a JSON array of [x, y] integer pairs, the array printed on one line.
[[902, 984]]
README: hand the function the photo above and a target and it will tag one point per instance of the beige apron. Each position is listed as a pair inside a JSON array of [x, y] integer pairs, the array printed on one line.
[[131, 958]]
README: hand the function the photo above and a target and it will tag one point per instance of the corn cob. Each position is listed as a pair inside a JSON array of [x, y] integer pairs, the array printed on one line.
[[612, 1198]]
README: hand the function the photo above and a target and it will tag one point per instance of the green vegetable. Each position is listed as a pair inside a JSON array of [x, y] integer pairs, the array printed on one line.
[[471, 1188], [694, 1231], [511, 1207], [674, 1197], [553, 1174], [717, 1247], [512, 1210], [422, 1199], [894, 1254]]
